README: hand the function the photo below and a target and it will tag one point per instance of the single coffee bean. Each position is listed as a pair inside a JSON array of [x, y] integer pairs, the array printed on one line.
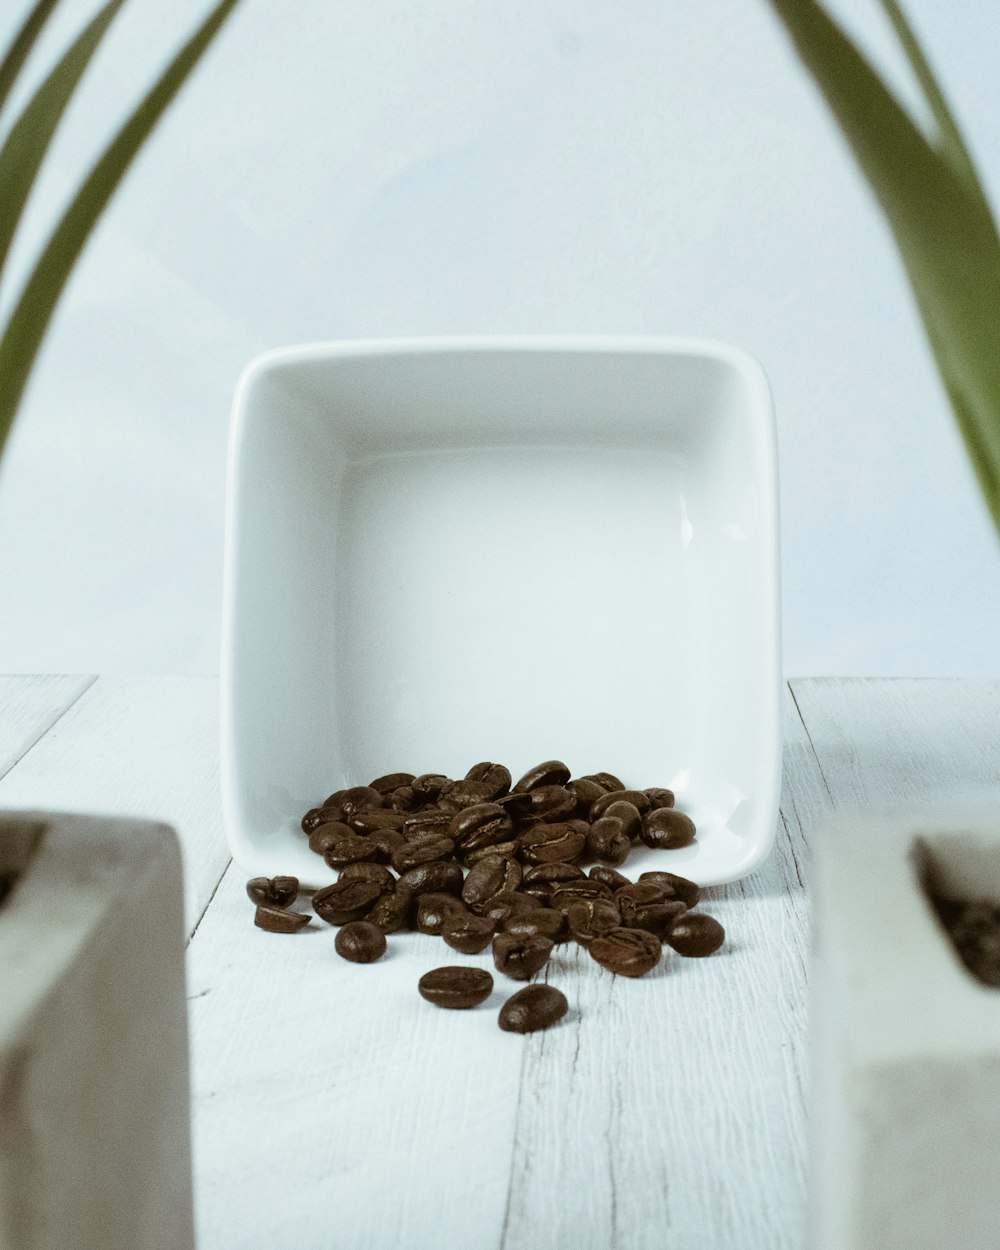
[[502, 906], [467, 933], [390, 782], [607, 781], [665, 828], [552, 803], [273, 891], [608, 840], [540, 890], [490, 877], [632, 900], [280, 920], [321, 837], [543, 920], [440, 876], [589, 918], [375, 874], [405, 799], [624, 811], [496, 776], [478, 826], [500, 850], [385, 842], [313, 817], [687, 891], [360, 942], [600, 807], [551, 773], [358, 799], [553, 874], [516, 804], [520, 955], [456, 988], [412, 853], [658, 797], [349, 849], [656, 917], [570, 891], [533, 1008], [459, 794], [346, 900], [627, 952], [612, 879], [586, 792], [373, 820], [431, 821], [547, 844], [433, 909], [428, 786], [695, 934], [394, 912]]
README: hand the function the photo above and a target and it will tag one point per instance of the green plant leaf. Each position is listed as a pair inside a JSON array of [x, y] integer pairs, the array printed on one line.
[[943, 228], [33, 310], [23, 42], [22, 154]]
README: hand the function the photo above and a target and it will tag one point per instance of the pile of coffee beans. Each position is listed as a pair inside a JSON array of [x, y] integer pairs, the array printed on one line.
[[488, 862], [974, 928]]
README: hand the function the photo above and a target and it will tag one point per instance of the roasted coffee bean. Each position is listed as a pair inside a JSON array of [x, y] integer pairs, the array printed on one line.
[[496, 776], [665, 828], [681, 887], [607, 781], [349, 849], [356, 799], [627, 952], [490, 877], [520, 955], [412, 853], [544, 920], [440, 876], [516, 804], [553, 874], [467, 933], [432, 910], [405, 799], [428, 786], [658, 797], [550, 773], [589, 918], [394, 911], [570, 891], [459, 794], [612, 879], [390, 782], [374, 874], [480, 825], [533, 1008], [540, 890], [457, 988], [695, 934], [629, 898], [273, 891], [431, 821], [347, 899], [552, 803], [321, 837], [280, 920], [656, 917], [548, 844], [608, 840], [501, 850], [501, 907], [373, 820], [360, 942], [313, 817], [586, 792], [385, 842], [627, 813]]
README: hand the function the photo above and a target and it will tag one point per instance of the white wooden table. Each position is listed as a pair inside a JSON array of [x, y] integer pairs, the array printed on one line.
[[335, 1110]]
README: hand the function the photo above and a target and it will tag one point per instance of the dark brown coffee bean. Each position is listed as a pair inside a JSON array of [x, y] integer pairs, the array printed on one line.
[[385, 842], [627, 952], [433, 909], [480, 825], [373, 820], [440, 876], [428, 786], [412, 853], [695, 934], [459, 794], [540, 890], [431, 821], [456, 988], [551, 773], [349, 849], [490, 877], [501, 907], [346, 900], [586, 792], [280, 920], [607, 840], [600, 806], [666, 828], [357, 799], [570, 891], [620, 809], [656, 917], [374, 874], [321, 837], [658, 797], [501, 850], [612, 879], [589, 918], [520, 956], [516, 804], [496, 776], [394, 911], [552, 803], [313, 817], [360, 942], [628, 898], [544, 920], [405, 799], [533, 1008], [607, 781], [273, 891], [548, 844], [467, 933], [553, 874], [687, 891], [390, 782]]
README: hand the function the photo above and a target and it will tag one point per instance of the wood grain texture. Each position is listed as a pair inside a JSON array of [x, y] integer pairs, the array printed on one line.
[[31, 705], [136, 746]]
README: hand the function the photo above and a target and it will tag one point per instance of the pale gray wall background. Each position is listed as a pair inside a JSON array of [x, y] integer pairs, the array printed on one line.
[[370, 168]]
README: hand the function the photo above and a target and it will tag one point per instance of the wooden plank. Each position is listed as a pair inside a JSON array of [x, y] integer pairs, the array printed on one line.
[[31, 706], [664, 1111], [137, 746]]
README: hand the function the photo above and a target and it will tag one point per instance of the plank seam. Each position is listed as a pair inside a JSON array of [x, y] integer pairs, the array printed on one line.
[[51, 724], [812, 745], [211, 899]]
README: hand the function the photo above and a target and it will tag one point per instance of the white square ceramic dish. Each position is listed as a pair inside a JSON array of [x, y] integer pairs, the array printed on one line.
[[441, 551]]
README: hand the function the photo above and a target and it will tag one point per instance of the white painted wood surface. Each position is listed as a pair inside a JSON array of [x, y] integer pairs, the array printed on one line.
[[335, 1110]]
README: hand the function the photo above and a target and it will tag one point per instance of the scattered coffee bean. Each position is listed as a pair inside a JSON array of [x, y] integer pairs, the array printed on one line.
[[428, 786], [457, 795], [608, 840], [682, 888], [548, 844], [456, 988], [501, 907], [659, 797], [440, 876], [607, 781], [505, 850], [489, 877], [279, 920], [391, 781], [323, 835], [273, 891], [627, 952], [348, 849], [496, 776], [665, 828], [520, 955], [479, 825], [570, 891], [360, 942], [364, 870], [552, 803], [371, 820], [589, 918], [467, 933], [695, 934], [553, 874], [636, 798], [356, 799], [394, 912], [432, 821], [413, 853], [533, 1008], [433, 909], [347, 899], [551, 773], [545, 921], [612, 879]]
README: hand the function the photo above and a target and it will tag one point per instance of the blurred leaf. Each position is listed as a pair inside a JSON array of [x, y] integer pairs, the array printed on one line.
[[26, 145], [33, 311], [24, 41], [941, 222]]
